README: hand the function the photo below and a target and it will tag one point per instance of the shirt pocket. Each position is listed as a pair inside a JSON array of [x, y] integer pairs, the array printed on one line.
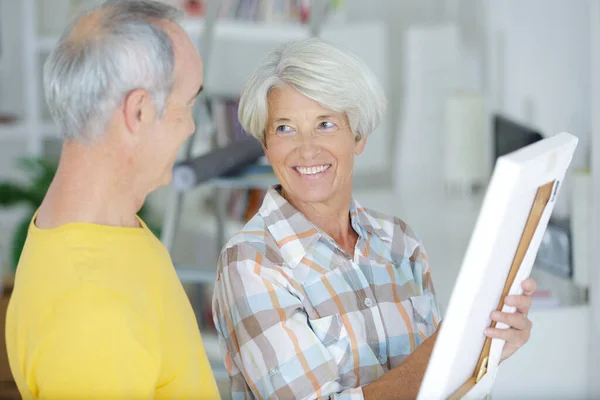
[[332, 333], [421, 308]]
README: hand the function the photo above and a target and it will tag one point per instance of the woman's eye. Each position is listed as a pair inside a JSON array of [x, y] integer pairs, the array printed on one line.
[[327, 126], [284, 130]]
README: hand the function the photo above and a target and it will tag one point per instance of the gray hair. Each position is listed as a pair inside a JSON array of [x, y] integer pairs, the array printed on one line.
[[86, 78], [334, 78]]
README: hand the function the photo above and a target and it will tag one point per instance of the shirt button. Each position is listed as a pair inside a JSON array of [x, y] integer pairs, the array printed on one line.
[[368, 302], [273, 371], [382, 359]]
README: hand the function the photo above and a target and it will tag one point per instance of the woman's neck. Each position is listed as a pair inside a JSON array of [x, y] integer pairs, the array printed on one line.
[[331, 217]]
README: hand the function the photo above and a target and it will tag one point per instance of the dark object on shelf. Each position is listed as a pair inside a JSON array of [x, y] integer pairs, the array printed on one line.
[[510, 135], [7, 119], [226, 161], [555, 254]]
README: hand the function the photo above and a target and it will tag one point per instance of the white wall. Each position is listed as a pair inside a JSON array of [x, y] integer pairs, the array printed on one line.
[[594, 365], [539, 70], [400, 15], [553, 364], [540, 65]]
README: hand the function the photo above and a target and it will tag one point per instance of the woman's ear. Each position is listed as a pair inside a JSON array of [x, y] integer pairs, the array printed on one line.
[[361, 142], [263, 143]]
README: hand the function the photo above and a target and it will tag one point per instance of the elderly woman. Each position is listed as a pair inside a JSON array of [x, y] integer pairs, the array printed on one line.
[[318, 296]]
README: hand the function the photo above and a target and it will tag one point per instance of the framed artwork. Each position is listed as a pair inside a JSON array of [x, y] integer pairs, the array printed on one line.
[[501, 252]]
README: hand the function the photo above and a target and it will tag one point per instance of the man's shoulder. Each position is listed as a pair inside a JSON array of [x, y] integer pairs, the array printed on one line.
[[53, 265]]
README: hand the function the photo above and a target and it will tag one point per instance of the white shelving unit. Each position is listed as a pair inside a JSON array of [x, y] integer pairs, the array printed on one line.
[[31, 127], [232, 41]]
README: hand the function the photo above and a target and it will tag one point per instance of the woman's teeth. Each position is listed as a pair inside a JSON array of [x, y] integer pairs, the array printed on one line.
[[312, 170]]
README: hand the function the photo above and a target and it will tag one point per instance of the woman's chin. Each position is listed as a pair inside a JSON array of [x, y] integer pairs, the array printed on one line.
[[319, 188], [312, 193]]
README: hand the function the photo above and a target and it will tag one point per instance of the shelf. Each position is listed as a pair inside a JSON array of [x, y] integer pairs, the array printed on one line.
[[189, 274], [12, 131], [247, 30], [246, 181], [554, 291], [232, 41], [19, 131], [256, 176], [224, 28]]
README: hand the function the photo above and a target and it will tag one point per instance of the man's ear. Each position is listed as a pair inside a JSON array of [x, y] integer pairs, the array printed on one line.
[[137, 109]]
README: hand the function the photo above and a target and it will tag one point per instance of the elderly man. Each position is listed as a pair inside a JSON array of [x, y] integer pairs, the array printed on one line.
[[97, 310]]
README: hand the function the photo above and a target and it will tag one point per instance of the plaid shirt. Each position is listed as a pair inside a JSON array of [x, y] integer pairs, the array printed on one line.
[[300, 318]]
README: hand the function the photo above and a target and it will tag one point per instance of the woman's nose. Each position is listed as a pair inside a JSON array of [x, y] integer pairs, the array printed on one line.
[[308, 146]]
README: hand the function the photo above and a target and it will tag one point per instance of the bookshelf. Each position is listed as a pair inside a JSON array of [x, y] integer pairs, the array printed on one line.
[[232, 41]]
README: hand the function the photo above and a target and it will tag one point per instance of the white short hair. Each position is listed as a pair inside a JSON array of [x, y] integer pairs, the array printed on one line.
[[87, 78], [334, 78]]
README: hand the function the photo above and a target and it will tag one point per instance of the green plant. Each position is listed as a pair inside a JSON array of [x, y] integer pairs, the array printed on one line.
[[41, 171]]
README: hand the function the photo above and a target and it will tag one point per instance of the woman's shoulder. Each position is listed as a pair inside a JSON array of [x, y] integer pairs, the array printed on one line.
[[254, 232], [252, 241], [392, 226], [396, 239]]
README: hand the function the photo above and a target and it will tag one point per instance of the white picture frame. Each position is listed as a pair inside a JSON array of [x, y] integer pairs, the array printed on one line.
[[501, 252]]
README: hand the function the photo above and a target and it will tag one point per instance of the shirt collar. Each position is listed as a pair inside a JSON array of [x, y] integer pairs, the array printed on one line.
[[295, 235], [361, 218]]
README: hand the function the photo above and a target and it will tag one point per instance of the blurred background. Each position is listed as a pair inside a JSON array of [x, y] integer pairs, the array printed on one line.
[[467, 81]]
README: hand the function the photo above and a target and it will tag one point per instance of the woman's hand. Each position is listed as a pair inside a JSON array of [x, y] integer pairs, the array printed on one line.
[[520, 326]]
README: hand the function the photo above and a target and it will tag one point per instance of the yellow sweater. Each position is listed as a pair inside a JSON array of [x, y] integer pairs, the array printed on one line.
[[98, 312]]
